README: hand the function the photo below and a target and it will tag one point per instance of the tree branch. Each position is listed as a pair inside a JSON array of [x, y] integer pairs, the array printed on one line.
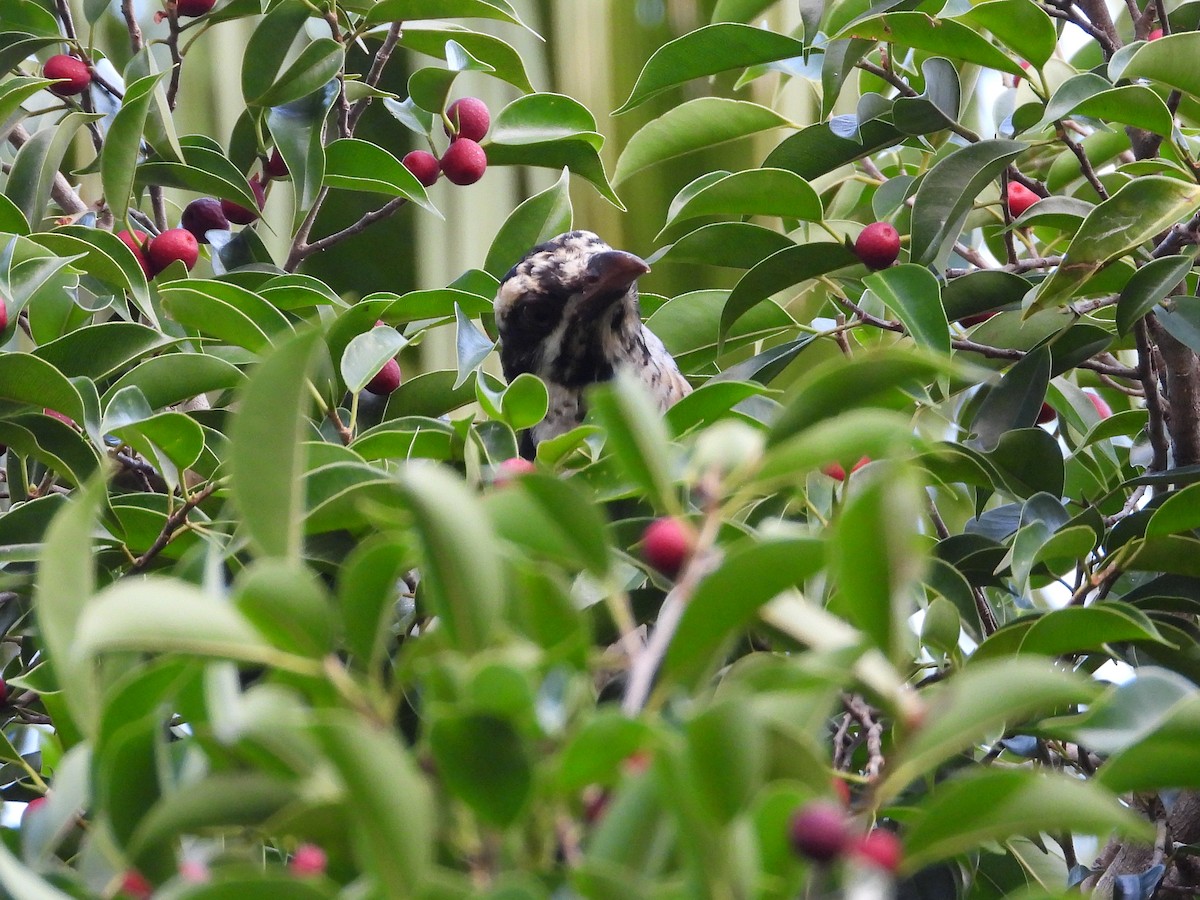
[[382, 55], [301, 249], [176, 523]]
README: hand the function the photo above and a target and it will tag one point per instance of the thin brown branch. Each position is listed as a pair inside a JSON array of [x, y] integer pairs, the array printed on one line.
[[905, 89], [131, 25], [301, 249], [1021, 266], [382, 55], [175, 524], [987, 616], [872, 728], [176, 57], [1085, 164]]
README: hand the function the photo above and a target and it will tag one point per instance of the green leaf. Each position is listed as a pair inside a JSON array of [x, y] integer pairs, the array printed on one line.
[[994, 804], [496, 784], [225, 311], [912, 292], [105, 257], [694, 125], [818, 150], [1069, 630], [947, 194], [404, 10], [431, 38], [707, 51], [19, 881], [123, 143], [1139, 211], [738, 245], [354, 165], [430, 88], [944, 37], [975, 703], [726, 757], [461, 571], [1178, 513], [636, 436], [203, 170], [98, 351], [535, 220], [1163, 61], [27, 379], [875, 590], [366, 597], [552, 131], [366, 354], [1015, 402], [1022, 27], [727, 601], [298, 131], [553, 519], [1182, 320], [317, 65], [472, 344], [269, 46], [1149, 285], [174, 377], [755, 192], [265, 453], [288, 605], [38, 161], [1087, 94], [66, 581]]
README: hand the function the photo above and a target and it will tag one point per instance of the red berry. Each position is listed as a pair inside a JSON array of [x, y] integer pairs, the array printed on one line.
[[1046, 414], [386, 379], [75, 71], [237, 213], [511, 468], [464, 162], [1155, 34], [3, 314], [878, 245], [203, 215], [467, 118], [135, 885], [842, 790], [191, 8], [667, 543], [55, 414], [195, 871], [1101, 405], [819, 831], [423, 165], [173, 244], [3, 692], [31, 808], [971, 321], [136, 241], [1020, 198], [835, 470], [275, 167], [309, 859], [880, 848]]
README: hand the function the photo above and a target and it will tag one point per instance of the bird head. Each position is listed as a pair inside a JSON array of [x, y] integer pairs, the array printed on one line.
[[567, 309]]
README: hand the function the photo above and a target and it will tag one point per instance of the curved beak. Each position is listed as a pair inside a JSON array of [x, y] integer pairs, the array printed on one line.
[[612, 272]]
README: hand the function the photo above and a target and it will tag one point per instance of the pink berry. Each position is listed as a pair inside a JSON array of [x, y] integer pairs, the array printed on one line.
[[1155, 34], [135, 885], [1100, 403], [3, 314], [464, 162], [880, 848], [31, 808], [468, 118], [423, 165], [308, 860], [75, 71], [835, 470], [173, 244], [819, 831], [1020, 198], [512, 468], [878, 245], [667, 543], [386, 379]]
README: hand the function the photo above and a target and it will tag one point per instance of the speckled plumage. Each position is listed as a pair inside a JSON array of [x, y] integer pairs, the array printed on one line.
[[568, 312]]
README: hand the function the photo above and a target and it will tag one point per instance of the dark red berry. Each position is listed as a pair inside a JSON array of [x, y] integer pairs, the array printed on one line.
[[237, 213], [3, 692], [819, 831], [1046, 414], [972, 321], [467, 118], [464, 162], [75, 71], [275, 167], [423, 165], [3, 314], [878, 245], [173, 244], [203, 215], [667, 543], [192, 8], [386, 379]]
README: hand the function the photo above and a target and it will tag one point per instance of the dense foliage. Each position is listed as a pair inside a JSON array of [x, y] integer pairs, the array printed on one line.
[[269, 634]]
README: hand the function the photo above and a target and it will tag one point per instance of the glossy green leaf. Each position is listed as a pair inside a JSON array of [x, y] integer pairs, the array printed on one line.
[[707, 51], [945, 37], [25, 378], [355, 165], [98, 351], [1069, 630], [37, 162], [994, 804], [403, 10], [636, 436], [203, 170], [738, 245], [265, 454], [317, 65], [1029, 461], [1138, 212], [913, 293], [366, 354], [461, 570], [104, 256], [269, 46], [174, 377], [973, 704], [1022, 27], [755, 192], [472, 344], [1149, 285], [1182, 320], [1178, 513], [689, 325], [431, 38], [695, 125], [298, 131], [947, 193], [1087, 94], [1163, 61], [1014, 402], [551, 518], [535, 220], [225, 311], [122, 144], [817, 150]]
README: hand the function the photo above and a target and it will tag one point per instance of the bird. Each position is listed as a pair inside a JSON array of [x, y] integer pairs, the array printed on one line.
[[568, 312]]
